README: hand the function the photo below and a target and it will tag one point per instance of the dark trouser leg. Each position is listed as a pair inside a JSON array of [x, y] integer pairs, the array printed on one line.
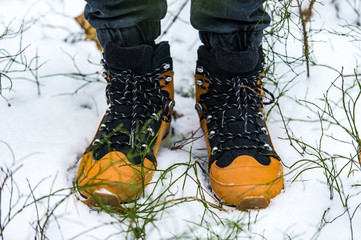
[[235, 25], [126, 22]]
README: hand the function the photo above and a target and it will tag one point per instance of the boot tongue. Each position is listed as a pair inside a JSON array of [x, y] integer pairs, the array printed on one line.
[[138, 58]]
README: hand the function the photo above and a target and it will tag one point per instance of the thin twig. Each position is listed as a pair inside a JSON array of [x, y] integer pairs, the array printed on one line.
[[305, 37], [186, 141]]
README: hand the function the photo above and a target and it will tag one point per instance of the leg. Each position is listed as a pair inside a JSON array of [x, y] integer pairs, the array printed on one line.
[[235, 25], [244, 168], [126, 22]]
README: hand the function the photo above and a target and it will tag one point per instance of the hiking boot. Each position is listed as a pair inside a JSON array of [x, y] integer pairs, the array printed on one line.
[[244, 169], [121, 159]]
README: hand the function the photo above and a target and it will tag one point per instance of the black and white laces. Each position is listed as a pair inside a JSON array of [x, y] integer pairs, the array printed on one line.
[[233, 111], [137, 105]]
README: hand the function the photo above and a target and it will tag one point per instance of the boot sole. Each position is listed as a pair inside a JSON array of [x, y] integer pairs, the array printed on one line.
[[100, 201], [253, 203], [248, 203]]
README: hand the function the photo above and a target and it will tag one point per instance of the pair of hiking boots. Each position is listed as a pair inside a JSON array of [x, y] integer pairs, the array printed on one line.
[[244, 169]]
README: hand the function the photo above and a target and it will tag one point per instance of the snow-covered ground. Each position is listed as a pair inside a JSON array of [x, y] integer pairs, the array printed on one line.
[[51, 108]]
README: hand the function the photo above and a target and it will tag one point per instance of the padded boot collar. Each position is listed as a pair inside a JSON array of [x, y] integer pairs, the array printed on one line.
[[140, 59], [236, 62], [224, 64], [133, 58]]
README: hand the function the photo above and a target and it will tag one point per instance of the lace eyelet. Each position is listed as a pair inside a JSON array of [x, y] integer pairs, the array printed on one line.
[[166, 66], [214, 151], [150, 130], [171, 105], [156, 116], [199, 108], [209, 118], [168, 79], [264, 130], [199, 82], [268, 147], [211, 134], [200, 69], [95, 142]]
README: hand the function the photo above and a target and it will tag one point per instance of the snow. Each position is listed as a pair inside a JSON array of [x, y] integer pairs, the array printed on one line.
[[44, 133]]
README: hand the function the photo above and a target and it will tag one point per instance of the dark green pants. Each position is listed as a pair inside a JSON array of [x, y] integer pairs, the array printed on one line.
[[235, 25]]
